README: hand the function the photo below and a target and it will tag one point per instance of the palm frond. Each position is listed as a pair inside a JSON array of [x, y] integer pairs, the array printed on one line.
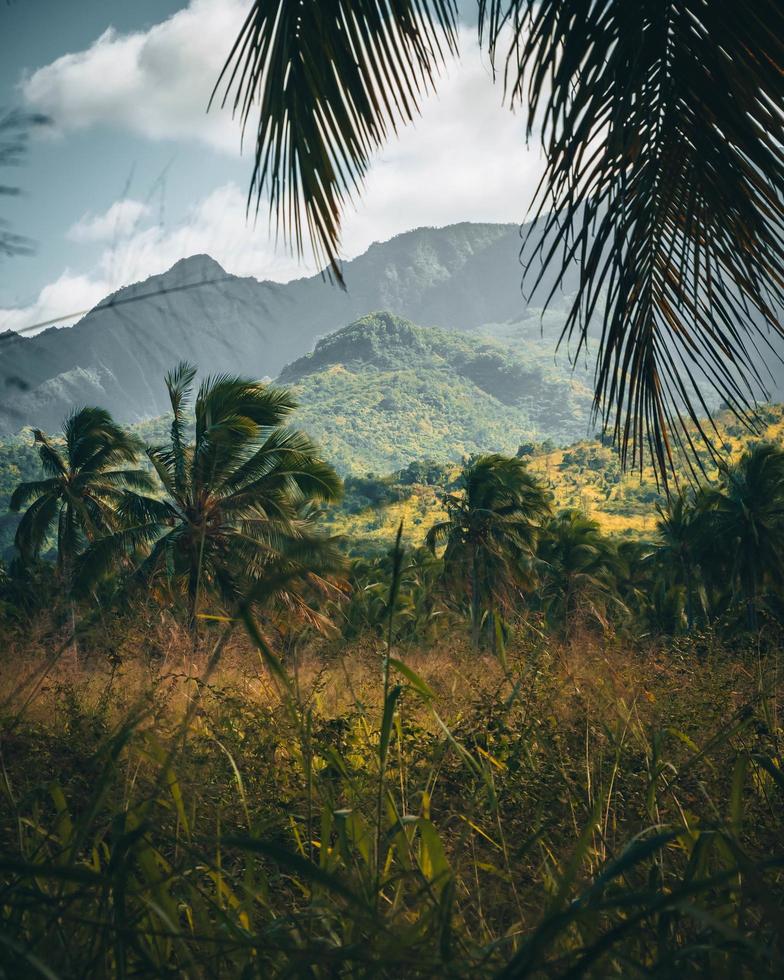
[[664, 138], [288, 464], [104, 554], [280, 442], [164, 553], [331, 81], [135, 509], [37, 525], [226, 397], [51, 460], [179, 384], [439, 533], [93, 439], [164, 461], [663, 134], [132, 479], [231, 416], [116, 448], [34, 489]]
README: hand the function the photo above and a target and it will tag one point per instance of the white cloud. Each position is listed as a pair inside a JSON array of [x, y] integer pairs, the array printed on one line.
[[119, 221], [216, 225], [464, 159], [155, 83], [58, 304]]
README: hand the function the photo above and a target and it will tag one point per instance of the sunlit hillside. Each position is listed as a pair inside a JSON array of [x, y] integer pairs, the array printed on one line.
[[586, 475]]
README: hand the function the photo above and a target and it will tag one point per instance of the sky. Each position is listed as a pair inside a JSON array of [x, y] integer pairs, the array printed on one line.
[[132, 173]]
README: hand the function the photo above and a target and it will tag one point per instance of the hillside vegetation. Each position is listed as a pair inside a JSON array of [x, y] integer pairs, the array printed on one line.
[[585, 475], [383, 392]]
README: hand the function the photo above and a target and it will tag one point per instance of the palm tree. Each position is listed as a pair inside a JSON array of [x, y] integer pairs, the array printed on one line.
[[744, 532], [662, 136], [579, 569], [490, 533], [237, 503], [85, 481], [681, 531]]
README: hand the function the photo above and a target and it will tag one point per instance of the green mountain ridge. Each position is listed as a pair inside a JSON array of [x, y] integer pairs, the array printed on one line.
[[460, 277], [384, 391]]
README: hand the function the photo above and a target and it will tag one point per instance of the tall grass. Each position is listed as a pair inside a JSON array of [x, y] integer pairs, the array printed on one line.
[[367, 813]]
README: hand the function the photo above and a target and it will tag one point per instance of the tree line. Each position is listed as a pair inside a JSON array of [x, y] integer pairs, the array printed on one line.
[[231, 516]]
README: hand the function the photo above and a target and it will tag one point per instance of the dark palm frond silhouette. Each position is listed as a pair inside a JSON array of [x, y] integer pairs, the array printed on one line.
[[15, 130], [238, 500], [332, 81], [85, 479], [662, 128]]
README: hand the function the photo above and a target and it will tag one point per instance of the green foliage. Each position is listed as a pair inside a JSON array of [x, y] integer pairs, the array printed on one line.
[[578, 572], [237, 503], [490, 535], [466, 823], [78, 498], [471, 817], [383, 393], [19, 463]]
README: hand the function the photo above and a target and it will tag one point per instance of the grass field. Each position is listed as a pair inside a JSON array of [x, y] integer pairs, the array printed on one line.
[[580, 810]]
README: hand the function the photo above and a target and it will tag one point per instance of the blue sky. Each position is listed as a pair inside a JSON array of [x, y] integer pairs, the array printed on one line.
[[132, 174]]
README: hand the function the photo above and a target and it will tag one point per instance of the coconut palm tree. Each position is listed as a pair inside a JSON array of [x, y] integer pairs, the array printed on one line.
[[490, 534], [578, 570], [744, 526], [662, 135], [85, 480], [237, 502], [681, 533]]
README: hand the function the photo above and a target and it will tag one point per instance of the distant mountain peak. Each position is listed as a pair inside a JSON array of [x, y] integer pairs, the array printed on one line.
[[373, 339], [197, 268]]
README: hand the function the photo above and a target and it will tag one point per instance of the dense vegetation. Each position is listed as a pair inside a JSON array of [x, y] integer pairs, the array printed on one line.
[[520, 747], [383, 392]]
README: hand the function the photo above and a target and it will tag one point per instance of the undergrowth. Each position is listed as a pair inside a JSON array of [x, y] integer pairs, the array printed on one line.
[[318, 811]]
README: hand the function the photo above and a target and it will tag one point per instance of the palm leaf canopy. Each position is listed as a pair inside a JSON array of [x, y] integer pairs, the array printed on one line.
[[499, 512], [663, 134], [87, 474], [238, 499], [744, 526], [332, 81]]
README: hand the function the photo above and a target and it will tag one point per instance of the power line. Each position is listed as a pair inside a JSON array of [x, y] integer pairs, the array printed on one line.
[[121, 301]]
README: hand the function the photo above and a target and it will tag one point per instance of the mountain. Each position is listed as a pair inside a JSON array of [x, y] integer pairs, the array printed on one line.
[[463, 277], [382, 392]]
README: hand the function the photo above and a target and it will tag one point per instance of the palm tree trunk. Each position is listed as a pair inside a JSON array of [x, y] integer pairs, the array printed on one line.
[[475, 609], [751, 604], [751, 601], [66, 571], [689, 609], [193, 600]]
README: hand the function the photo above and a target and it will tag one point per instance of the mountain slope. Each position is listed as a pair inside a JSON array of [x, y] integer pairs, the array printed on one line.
[[382, 392], [464, 277]]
